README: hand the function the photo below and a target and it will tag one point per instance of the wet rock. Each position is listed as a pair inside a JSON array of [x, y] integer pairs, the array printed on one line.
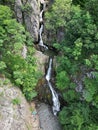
[[44, 92], [47, 120]]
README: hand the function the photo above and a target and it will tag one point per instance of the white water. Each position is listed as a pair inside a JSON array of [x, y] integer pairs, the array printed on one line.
[[42, 27], [55, 99], [41, 14], [48, 75]]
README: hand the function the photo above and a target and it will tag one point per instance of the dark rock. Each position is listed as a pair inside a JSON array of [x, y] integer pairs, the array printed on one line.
[[44, 92]]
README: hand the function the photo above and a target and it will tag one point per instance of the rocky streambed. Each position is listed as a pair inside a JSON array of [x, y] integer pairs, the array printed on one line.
[[46, 118]]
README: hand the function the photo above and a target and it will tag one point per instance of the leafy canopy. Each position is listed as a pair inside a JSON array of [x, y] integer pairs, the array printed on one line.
[[77, 60]]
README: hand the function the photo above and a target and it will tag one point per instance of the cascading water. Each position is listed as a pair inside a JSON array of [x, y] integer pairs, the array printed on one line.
[[55, 99], [41, 40], [42, 26]]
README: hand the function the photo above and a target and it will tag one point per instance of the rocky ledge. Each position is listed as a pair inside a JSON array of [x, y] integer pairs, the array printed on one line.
[[15, 112]]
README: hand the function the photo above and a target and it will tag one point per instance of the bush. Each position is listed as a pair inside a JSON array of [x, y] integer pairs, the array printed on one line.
[[77, 57], [22, 72]]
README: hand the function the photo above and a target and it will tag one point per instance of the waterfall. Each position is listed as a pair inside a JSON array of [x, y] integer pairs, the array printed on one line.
[[41, 40], [55, 99], [42, 26], [41, 30], [48, 75], [41, 16]]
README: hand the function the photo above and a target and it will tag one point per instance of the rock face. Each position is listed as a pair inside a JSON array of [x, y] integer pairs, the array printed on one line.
[[15, 112], [44, 92], [18, 11], [41, 60], [27, 13], [47, 120]]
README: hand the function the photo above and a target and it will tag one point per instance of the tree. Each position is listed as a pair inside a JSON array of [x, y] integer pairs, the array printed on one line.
[[56, 17], [92, 7]]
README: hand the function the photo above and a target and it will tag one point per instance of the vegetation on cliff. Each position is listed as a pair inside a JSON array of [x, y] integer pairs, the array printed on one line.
[[13, 37], [77, 62]]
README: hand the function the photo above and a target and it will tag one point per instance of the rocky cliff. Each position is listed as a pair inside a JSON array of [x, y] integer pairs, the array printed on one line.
[[15, 112], [27, 13]]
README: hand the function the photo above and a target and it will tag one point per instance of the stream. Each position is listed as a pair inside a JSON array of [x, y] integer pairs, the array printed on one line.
[[55, 99]]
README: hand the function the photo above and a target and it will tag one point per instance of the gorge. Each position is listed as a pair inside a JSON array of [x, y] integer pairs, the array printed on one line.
[[50, 52]]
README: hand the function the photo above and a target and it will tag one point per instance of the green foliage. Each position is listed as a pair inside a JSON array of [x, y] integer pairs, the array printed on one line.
[[90, 93], [78, 116], [16, 101], [63, 79], [55, 19], [9, 3], [2, 65], [79, 45], [27, 8], [23, 74], [79, 2], [70, 95], [92, 7], [78, 55], [5, 13], [6, 81], [62, 13], [13, 37]]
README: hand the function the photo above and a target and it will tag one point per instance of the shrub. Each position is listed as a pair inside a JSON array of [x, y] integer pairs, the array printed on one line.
[[22, 72]]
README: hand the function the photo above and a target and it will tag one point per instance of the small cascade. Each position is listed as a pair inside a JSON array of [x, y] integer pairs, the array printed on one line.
[[41, 40], [55, 99], [42, 26], [41, 29], [41, 16]]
